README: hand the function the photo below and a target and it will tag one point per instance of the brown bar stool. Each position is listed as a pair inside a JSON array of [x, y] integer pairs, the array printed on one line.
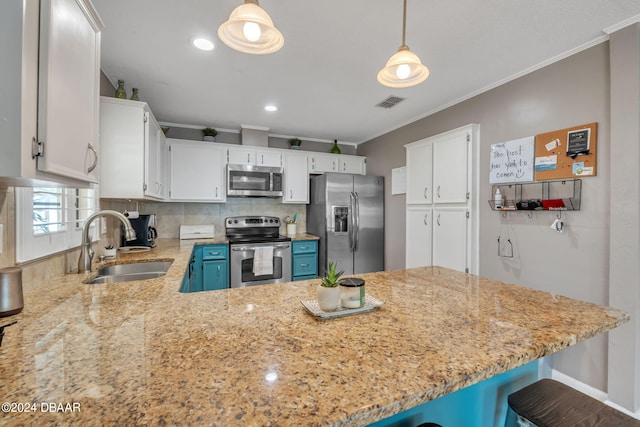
[[549, 403]]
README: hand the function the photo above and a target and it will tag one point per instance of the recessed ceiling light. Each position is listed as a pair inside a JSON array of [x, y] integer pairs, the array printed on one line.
[[203, 44], [271, 108]]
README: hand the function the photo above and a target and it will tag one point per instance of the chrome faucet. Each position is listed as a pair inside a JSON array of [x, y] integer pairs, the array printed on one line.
[[86, 253]]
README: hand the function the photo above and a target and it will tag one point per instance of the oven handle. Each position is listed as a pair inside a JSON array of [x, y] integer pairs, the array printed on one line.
[[253, 248]]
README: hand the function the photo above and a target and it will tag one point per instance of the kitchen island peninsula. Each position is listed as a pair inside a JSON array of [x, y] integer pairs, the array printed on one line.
[[143, 353]]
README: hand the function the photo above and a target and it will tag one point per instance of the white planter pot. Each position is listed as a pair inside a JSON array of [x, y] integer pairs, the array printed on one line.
[[328, 298], [209, 138]]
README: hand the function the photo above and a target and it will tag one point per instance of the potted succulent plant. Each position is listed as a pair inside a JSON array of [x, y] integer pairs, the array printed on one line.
[[209, 134], [295, 143], [328, 290]]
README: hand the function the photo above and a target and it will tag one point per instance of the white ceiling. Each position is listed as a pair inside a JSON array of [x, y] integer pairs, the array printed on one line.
[[324, 78]]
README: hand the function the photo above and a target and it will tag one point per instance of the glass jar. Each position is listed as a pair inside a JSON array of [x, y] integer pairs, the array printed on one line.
[[120, 91], [352, 294], [134, 94]]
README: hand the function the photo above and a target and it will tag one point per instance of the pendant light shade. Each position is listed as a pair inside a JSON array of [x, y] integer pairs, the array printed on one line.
[[404, 68], [249, 29]]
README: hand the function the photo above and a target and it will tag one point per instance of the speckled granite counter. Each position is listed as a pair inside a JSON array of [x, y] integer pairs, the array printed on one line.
[[143, 353]]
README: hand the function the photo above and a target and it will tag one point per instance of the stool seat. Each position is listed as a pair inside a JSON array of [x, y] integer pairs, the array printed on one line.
[[549, 403]]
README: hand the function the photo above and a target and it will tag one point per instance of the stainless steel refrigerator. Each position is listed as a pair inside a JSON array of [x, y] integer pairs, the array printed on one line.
[[347, 212]]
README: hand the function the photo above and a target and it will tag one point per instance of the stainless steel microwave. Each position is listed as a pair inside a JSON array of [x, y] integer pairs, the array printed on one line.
[[254, 181]]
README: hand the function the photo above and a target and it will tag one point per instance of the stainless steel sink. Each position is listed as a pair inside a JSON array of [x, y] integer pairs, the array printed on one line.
[[129, 272]]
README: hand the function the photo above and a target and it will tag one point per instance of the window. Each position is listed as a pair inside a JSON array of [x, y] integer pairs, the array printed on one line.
[[50, 220]]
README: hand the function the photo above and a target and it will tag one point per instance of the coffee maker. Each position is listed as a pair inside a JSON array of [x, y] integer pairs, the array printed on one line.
[[145, 228]]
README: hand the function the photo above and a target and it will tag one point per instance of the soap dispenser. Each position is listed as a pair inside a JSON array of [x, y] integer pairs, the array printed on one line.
[[497, 200]]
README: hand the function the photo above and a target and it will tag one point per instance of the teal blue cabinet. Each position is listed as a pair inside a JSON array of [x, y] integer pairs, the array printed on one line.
[[208, 269], [215, 267], [304, 259]]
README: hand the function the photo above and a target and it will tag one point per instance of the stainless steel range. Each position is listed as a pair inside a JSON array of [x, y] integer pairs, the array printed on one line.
[[259, 254]]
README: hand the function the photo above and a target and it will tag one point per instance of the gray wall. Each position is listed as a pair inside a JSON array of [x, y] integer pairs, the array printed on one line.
[[568, 93]]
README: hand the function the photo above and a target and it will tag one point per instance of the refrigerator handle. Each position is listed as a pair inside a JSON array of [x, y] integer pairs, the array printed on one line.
[[352, 216], [356, 216]]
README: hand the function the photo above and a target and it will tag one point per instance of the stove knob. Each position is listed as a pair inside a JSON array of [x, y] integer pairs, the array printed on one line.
[[271, 220], [235, 221]]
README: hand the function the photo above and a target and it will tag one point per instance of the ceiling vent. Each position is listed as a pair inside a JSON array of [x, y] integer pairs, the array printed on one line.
[[391, 101]]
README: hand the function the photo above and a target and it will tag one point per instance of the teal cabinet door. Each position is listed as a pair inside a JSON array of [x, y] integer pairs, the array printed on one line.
[[215, 267], [304, 259], [215, 275]]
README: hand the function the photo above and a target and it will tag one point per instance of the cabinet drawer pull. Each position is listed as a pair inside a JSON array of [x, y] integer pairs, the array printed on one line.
[[304, 265], [425, 192], [438, 220], [425, 219], [438, 191]]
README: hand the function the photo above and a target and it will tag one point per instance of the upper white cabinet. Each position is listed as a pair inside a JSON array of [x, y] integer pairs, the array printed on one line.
[[420, 176], [197, 171], [133, 151], [451, 168], [324, 162], [50, 87], [296, 178], [249, 156]]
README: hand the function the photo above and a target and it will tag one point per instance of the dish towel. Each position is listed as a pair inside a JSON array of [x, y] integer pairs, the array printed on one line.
[[263, 261]]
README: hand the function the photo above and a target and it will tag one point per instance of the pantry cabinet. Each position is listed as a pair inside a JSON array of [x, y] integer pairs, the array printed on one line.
[[296, 178], [442, 205], [50, 88], [133, 151], [197, 171]]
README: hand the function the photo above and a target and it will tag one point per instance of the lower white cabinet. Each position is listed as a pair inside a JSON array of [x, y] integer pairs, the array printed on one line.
[[296, 178], [197, 171], [419, 236], [451, 230]]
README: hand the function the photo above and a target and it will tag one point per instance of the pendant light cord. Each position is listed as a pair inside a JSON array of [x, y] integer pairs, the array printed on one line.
[[404, 22]]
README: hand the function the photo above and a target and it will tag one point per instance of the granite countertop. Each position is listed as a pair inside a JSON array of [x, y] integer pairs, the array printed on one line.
[[144, 353]]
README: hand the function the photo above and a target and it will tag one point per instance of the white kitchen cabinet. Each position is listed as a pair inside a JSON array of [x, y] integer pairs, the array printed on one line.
[[419, 236], [419, 172], [442, 181], [451, 231], [296, 178], [451, 167], [323, 162], [197, 171], [133, 151], [352, 164], [50, 87], [248, 156]]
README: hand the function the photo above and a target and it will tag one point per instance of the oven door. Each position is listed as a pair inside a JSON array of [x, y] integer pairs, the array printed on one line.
[[241, 264]]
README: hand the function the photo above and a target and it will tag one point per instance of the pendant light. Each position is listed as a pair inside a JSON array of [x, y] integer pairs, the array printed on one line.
[[404, 68], [249, 29]]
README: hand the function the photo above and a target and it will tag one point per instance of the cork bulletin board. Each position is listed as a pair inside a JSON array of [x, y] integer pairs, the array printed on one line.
[[566, 153]]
